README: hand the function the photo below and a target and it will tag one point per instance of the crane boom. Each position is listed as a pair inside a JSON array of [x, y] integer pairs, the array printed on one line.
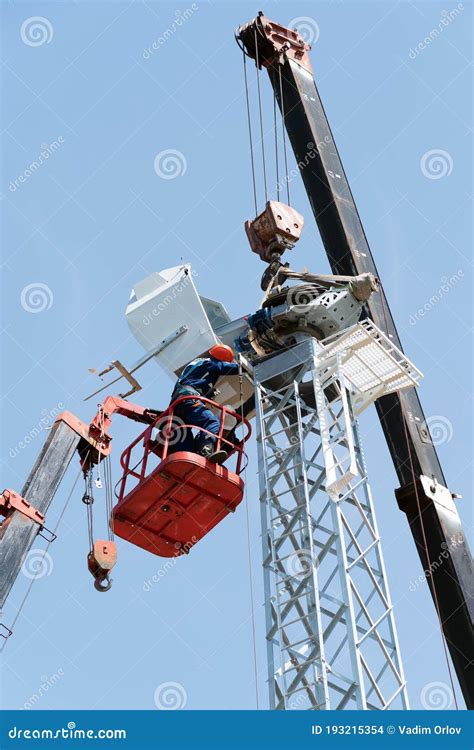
[[423, 495]]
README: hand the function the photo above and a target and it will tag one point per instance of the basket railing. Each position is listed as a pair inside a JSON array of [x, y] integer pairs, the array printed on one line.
[[170, 430]]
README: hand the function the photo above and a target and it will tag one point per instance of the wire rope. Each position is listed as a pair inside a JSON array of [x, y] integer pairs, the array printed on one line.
[[252, 604], [249, 121], [30, 586]]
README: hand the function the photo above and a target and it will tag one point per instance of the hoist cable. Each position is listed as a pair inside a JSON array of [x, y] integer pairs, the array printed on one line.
[[252, 160], [257, 67], [90, 501], [252, 604], [109, 498], [107, 485], [284, 136], [275, 128], [30, 586]]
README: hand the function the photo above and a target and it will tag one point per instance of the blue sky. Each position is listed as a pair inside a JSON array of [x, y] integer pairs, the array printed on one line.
[[96, 217]]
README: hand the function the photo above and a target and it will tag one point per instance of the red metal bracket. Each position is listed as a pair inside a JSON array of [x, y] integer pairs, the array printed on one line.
[[100, 444], [11, 501], [95, 441], [116, 405], [273, 41]]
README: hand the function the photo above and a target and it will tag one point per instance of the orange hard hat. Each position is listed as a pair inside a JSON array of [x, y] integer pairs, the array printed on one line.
[[222, 352]]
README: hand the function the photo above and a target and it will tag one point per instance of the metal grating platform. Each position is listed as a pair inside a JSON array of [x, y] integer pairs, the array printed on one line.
[[372, 365]]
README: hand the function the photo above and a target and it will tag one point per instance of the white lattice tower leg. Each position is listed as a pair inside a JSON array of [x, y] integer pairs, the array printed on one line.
[[331, 634]]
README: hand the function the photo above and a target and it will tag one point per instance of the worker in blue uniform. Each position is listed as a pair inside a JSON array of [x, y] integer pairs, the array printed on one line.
[[199, 378]]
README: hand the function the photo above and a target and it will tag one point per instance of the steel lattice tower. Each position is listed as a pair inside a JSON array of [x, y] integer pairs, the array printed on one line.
[[331, 635]]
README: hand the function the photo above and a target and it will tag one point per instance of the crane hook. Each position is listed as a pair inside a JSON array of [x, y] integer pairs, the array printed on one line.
[[100, 581], [100, 561]]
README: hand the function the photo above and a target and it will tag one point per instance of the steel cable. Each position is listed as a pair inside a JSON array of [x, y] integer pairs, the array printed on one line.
[[30, 586], [261, 118], [252, 160], [252, 604]]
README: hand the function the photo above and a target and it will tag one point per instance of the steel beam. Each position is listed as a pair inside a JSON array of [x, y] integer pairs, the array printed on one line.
[[18, 532]]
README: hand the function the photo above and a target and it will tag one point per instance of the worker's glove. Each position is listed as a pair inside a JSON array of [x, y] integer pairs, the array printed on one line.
[[153, 414]]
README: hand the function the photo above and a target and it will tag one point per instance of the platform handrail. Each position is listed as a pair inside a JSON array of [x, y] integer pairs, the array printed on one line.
[[166, 430], [241, 420]]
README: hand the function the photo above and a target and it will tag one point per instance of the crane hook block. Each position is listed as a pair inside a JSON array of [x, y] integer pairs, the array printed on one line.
[[275, 230], [100, 561]]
